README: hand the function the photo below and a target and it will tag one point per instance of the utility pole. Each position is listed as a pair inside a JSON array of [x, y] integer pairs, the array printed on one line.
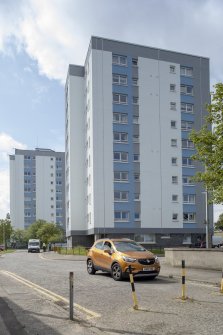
[[3, 227], [208, 239]]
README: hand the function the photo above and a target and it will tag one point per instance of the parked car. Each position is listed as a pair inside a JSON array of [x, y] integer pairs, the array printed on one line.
[[115, 256], [2, 247]]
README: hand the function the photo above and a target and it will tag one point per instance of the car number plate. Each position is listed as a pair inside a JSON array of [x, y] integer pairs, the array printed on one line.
[[149, 269]]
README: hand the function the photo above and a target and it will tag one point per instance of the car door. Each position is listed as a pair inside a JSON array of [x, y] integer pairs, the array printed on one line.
[[106, 257], [97, 252]]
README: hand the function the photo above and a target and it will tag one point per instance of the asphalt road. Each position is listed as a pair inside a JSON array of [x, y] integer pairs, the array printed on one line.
[[102, 306]]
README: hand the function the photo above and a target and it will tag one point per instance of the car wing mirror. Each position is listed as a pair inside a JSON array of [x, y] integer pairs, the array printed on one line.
[[108, 251]]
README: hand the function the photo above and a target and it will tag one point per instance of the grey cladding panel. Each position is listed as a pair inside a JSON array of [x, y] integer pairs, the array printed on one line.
[[76, 70], [135, 50]]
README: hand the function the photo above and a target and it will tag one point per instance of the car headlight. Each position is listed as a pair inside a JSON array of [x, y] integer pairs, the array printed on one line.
[[128, 259], [156, 259]]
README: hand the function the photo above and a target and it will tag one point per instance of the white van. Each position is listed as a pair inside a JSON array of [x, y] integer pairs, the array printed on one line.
[[217, 241], [34, 245]]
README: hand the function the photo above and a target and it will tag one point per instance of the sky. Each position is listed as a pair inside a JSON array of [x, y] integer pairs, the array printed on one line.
[[40, 38]]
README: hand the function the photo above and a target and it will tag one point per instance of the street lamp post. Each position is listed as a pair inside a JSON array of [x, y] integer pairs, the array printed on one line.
[[207, 221]]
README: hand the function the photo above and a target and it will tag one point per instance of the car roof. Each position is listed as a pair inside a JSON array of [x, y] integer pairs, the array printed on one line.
[[114, 240]]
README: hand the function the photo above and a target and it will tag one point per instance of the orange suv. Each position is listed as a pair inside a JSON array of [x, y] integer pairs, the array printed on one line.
[[115, 256]]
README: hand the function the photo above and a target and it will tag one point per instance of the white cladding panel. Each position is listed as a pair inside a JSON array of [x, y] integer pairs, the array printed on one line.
[[17, 191], [102, 124], [45, 188], [75, 156], [156, 152]]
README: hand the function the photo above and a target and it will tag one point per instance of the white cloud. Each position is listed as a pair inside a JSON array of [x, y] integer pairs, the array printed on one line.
[[7, 144], [57, 32]]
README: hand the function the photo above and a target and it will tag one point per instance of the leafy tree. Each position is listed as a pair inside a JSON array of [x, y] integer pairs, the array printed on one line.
[[46, 232], [49, 232], [5, 230], [32, 231], [209, 147], [219, 223], [19, 237]]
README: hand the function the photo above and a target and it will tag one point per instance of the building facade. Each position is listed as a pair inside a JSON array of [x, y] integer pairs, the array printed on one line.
[[129, 112], [37, 187]]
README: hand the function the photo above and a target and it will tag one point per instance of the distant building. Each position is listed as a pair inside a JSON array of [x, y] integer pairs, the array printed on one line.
[[129, 112], [37, 187]]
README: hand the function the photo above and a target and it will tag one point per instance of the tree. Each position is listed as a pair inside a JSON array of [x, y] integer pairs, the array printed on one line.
[[46, 232], [5, 230], [49, 232], [19, 237], [219, 223], [209, 147], [32, 231]]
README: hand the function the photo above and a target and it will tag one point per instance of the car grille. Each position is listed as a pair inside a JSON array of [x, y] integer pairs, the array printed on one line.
[[146, 261]]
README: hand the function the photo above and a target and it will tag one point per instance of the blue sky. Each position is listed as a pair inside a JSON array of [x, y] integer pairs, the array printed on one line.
[[39, 38]]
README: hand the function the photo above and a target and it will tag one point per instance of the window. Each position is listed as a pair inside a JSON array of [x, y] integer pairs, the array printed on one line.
[[120, 137], [119, 60], [187, 161], [135, 119], [189, 217], [174, 197], [119, 79], [186, 71], [136, 196], [134, 61], [120, 98], [148, 238], [174, 216], [174, 160], [135, 100], [136, 157], [187, 144], [187, 108], [99, 245], [120, 156], [120, 118], [186, 89], [135, 138], [121, 216], [187, 239], [120, 195], [121, 176], [188, 180], [186, 125], [134, 81], [189, 198], [172, 87], [137, 176], [173, 106], [172, 69], [173, 124], [137, 216], [173, 142], [174, 180]]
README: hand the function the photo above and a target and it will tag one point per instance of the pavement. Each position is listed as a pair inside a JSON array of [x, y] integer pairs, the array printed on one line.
[[12, 322]]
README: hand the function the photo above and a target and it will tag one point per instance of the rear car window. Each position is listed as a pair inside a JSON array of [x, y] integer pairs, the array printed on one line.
[[99, 245]]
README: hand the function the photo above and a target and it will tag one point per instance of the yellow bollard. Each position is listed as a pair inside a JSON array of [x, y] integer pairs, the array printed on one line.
[[221, 289], [135, 301], [183, 297]]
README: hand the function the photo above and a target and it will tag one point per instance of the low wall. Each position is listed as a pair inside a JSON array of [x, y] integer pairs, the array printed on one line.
[[195, 258]]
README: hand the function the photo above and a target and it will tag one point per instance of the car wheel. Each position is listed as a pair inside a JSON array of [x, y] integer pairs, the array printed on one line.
[[152, 277], [116, 272], [90, 267]]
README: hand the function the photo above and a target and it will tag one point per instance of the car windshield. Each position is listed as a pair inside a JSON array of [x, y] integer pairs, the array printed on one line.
[[34, 244], [128, 246]]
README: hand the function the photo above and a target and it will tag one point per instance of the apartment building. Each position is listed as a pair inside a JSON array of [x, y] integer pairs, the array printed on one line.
[[37, 187], [129, 113]]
